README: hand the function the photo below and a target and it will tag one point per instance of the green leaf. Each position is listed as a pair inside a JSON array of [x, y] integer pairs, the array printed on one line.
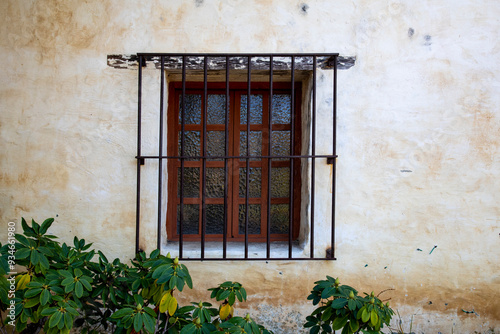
[[48, 311], [351, 304], [65, 273], [44, 297], [338, 303], [231, 298], [244, 293], [354, 325], [32, 302], [67, 281], [45, 225], [138, 322], [86, 284], [373, 318], [149, 322], [78, 272], [365, 316], [44, 263], [54, 319], [122, 312], [338, 323], [34, 257], [68, 320], [32, 292], [78, 289]]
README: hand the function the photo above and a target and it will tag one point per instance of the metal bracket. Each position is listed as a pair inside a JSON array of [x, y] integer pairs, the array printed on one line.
[[331, 160]]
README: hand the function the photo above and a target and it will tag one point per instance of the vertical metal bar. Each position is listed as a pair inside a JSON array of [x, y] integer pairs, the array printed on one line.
[[334, 145], [139, 117], [269, 160], [204, 155], [181, 186], [292, 152], [226, 168], [247, 190], [160, 152], [313, 153]]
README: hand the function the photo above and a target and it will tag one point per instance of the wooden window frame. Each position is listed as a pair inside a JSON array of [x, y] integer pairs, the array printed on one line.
[[237, 89]]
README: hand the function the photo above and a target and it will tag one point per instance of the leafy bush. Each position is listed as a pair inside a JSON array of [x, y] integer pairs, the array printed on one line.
[[342, 308], [63, 288]]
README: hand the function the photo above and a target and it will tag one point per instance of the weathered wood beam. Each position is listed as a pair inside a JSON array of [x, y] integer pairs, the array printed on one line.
[[131, 61]]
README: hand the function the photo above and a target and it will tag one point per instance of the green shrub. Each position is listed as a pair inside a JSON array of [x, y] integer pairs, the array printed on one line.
[[64, 287], [342, 308]]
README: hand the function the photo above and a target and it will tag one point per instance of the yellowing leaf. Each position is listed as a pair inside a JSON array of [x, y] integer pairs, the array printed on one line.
[[374, 318], [224, 311], [164, 302], [23, 281], [172, 306]]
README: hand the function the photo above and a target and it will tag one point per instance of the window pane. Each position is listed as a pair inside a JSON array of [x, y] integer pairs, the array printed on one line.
[[255, 144], [280, 143], [216, 144], [254, 183], [253, 219], [255, 109], [280, 182], [216, 109], [190, 221], [281, 109], [191, 143], [192, 115], [215, 219], [215, 182], [190, 184], [280, 218]]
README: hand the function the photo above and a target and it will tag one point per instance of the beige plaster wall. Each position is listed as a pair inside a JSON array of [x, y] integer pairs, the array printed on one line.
[[418, 139]]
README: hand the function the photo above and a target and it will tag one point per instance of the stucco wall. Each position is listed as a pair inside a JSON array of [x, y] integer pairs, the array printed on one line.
[[418, 139]]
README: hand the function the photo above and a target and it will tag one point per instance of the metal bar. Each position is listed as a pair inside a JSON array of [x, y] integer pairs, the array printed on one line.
[[139, 119], [160, 152], [215, 55], [268, 232], [313, 151], [306, 156], [257, 259], [183, 139], [247, 181], [226, 168], [204, 159], [292, 151], [334, 146]]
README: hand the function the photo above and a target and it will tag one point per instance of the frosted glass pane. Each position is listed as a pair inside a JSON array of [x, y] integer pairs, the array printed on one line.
[[255, 109], [216, 144], [191, 182], [255, 144], [253, 219], [281, 109], [190, 221], [215, 182], [280, 143], [191, 144], [280, 182], [280, 216], [216, 109], [192, 115], [254, 183], [215, 219]]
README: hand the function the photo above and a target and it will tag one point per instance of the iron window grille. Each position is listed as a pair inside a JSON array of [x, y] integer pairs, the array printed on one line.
[[283, 73]]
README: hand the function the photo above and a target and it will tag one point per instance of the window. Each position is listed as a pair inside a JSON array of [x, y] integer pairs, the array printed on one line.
[[223, 176], [246, 155]]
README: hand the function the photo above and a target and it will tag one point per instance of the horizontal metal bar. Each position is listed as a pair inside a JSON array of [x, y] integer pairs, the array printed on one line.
[[329, 156], [149, 54], [259, 259]]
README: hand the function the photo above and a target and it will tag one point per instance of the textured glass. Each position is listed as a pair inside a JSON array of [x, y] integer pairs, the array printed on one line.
[[191, 144], [254, 183], [192, 115], [190, 184], [215, 182], [280, 182], [281, 109], [216, 144], [253, 219], [280, 143], [190, 221], [255, 109], [216, 109], [280, 218], [255, 144], [215, 219]]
